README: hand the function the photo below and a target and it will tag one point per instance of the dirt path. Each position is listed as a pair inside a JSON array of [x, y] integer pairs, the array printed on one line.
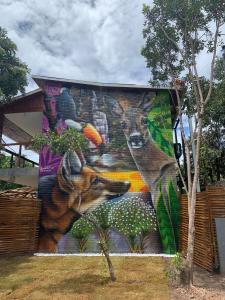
[[207, 286]]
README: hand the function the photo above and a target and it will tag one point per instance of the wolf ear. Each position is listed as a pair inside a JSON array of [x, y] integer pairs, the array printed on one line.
[[69, 168]]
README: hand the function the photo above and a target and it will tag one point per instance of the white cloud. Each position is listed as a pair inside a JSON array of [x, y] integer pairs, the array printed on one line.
[[96, 40]]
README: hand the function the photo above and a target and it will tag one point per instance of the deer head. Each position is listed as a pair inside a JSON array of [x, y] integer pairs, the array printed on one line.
[[134, 119]]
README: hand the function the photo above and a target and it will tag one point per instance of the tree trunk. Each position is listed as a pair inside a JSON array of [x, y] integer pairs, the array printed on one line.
[[104, 248], [190, 248], [103, 244], [192, 195]]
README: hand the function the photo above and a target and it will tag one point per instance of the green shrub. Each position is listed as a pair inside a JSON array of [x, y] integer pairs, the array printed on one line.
[[175, 270]]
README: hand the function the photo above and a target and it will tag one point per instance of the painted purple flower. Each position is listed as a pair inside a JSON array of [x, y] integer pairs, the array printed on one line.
[[49, 162], [53, 90]]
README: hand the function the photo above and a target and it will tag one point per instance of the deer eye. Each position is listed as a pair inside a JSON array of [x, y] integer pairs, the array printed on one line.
[[123, 125], [144, 121], [95, 181]]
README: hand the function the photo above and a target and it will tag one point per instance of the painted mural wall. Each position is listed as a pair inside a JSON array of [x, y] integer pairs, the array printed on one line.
[[125, 180]]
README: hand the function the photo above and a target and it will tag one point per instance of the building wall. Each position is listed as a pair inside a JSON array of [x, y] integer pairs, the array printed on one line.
[[125, 179]]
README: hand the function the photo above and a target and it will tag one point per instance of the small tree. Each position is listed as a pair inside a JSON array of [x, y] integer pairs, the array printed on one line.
[[71, 139], [176, 32], [13, 72]]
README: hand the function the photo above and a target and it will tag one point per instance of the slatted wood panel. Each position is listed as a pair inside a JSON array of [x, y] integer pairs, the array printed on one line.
[[203, 247], [19, 215], [210, 205], [216, 200]]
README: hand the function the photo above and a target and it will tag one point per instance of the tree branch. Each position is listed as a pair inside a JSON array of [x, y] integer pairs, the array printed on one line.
[[213, 62]]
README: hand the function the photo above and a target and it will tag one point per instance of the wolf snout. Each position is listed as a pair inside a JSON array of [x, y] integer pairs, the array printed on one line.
[[127, 185], [136, 140], [120, 188], [125, 188]]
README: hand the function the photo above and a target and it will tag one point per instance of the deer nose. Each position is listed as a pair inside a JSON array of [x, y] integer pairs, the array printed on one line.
[[136, 140]]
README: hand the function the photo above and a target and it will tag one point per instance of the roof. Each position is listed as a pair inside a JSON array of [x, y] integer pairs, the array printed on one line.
[[39, 79], [21, 98], [31, 93]]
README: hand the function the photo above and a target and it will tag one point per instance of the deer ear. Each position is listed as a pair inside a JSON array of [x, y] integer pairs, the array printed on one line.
[[113, 105], [146, 102], [118, 110], [69, 168]]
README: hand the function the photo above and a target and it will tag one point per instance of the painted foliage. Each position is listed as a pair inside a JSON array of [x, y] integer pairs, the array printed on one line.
[[125, 179]]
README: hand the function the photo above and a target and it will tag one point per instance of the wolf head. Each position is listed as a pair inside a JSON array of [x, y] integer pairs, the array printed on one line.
[[86, 188]]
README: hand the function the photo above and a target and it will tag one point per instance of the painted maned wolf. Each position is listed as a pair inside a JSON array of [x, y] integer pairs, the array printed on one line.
[[76, 188]]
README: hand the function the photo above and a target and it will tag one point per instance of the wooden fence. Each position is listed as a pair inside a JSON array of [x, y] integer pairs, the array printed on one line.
[[19, 215], [210, 204]]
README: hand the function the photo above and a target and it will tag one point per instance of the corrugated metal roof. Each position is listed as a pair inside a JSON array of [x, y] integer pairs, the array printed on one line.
[[38, 78], [27, 94]]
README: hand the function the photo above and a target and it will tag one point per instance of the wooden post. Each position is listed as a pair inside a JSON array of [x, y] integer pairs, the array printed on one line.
[[11, 161], [19, 157], [1, 126]]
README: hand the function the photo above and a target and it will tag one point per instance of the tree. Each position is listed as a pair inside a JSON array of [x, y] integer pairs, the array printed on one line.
[[4, 185], [13, 72], [176, 32], [212, 156], [71, 139]]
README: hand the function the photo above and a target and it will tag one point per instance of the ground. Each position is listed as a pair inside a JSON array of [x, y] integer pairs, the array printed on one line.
[[207, 286], [83, 278], [86, 278]]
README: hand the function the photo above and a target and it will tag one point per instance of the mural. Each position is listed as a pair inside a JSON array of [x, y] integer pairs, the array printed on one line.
[[126, 179]]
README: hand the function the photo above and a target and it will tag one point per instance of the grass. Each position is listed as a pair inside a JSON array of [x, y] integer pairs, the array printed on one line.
[[66, 278]]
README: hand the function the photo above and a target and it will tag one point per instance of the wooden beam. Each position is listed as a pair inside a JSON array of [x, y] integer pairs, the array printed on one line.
[[25, 143], [1, 125], [14, 132]]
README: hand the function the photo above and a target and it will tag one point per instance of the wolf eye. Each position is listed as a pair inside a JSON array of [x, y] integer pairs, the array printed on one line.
[[123, 125], [95, 181], [144, 121]]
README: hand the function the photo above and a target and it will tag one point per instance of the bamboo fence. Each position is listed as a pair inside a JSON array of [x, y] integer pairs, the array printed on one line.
[[19, 217]]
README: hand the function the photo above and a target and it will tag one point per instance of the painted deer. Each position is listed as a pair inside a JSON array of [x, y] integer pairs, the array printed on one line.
[[152, 162]]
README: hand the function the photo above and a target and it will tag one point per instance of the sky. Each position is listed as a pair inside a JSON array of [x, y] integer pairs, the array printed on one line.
[[96, 40]]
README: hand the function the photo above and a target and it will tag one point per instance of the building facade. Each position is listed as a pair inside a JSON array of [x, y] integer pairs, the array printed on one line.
[[123, 176]]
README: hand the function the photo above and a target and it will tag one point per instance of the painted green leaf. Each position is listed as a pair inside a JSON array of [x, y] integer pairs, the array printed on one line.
[[165, 227], [160, 140], [159, 123], [174, 210]]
